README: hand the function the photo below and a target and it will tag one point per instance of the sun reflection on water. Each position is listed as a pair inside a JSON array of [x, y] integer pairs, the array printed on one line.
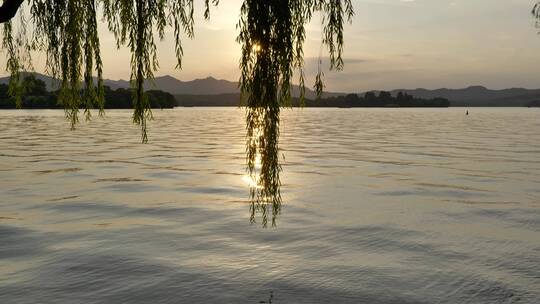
[[261, 202], [252, 180]]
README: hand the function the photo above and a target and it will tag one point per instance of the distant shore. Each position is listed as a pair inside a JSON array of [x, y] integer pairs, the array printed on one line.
[[34, 95]]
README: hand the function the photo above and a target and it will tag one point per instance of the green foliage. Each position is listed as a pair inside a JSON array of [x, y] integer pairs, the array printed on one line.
[[18, 56], [272, 35], [66, 30], [134, 23]]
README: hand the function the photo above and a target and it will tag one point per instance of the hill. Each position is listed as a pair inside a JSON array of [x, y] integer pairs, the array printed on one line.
[[169, 84], [479, 96]]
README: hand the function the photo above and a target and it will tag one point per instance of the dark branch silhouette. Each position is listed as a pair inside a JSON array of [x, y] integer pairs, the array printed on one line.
[[9, 9]]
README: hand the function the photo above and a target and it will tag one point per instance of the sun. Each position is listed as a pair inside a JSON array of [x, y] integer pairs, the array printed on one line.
[[257, 48]]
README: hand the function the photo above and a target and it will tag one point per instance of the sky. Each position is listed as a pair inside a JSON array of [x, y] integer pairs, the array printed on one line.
[[390, 44]]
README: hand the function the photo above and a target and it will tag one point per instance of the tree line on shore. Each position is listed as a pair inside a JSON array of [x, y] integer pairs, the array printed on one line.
[[370, 99], [383, 99], [35, 96], [534, 103]]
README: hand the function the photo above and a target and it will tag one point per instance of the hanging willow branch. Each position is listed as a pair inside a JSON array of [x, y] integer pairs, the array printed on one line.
[[66, 30], [536, 13], [272, 34]]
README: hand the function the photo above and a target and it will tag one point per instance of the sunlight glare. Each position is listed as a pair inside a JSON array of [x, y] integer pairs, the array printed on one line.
[[257, 47]]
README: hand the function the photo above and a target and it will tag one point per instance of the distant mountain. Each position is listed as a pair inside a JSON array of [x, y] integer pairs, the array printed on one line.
[[208, 87], [478, 96], [53, 84]]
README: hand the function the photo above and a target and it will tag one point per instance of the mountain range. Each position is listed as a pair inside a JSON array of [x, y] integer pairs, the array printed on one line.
[[211, 88], [479, 96], [205, 86]]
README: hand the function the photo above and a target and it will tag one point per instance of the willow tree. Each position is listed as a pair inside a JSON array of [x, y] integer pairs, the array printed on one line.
[[271, 33]]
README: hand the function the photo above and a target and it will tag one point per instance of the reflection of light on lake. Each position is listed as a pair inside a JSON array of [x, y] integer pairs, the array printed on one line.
[[250, 181], [258, 162], [266, 201], [253, 180]]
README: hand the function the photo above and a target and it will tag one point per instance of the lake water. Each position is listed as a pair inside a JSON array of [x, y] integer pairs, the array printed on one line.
[[379, 206]]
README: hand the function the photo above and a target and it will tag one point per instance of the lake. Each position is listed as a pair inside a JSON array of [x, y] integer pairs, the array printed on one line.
[[379, 206]]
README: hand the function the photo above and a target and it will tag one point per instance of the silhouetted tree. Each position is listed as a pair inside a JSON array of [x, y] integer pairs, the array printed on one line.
[[352, 100], [385, 98], [370, 97], [400, 96]]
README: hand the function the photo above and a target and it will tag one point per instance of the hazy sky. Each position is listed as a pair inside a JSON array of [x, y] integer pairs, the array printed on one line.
[[390, 44]]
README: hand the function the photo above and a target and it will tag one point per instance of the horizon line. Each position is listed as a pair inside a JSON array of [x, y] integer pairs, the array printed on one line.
[[2, 75]]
